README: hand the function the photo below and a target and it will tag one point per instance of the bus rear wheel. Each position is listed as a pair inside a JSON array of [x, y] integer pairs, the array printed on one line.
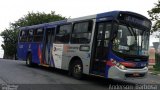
[[77, 69], [29, 60]]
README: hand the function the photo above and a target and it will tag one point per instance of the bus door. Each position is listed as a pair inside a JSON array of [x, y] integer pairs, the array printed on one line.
[[100, 51], [47, 45]]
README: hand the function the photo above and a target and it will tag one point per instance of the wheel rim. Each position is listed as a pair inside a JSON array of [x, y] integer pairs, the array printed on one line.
[[77, 69], [28, 61]]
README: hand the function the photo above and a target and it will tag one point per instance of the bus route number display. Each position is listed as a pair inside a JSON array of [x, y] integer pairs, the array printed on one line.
[[135, 20]]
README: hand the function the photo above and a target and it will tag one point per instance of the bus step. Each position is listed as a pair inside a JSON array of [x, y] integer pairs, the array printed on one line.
[[44, 65], [98, 73]]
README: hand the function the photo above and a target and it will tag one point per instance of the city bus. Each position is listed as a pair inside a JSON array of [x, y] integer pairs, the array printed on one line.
[[110, 45]]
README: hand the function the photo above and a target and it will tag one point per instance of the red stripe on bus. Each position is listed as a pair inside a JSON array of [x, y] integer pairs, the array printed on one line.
[[109, 63]]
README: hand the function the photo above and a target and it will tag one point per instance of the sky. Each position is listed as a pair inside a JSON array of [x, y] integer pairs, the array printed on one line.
[[12, 10]]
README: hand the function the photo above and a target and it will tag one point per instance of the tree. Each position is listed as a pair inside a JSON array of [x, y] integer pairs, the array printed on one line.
[[9, 43], [154, 13], [37, 18], [10, 35]]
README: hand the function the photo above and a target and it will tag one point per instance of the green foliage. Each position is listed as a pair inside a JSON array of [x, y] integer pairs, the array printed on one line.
[[154, 13], [10, 35], [157, 59], [10, 40], [37, 18]]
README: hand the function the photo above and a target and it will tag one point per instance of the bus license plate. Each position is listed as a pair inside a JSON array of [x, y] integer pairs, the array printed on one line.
[[136, 75]]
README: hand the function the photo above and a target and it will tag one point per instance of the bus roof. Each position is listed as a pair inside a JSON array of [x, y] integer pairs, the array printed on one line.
[[113, 14], [116, 13], [43, 25]]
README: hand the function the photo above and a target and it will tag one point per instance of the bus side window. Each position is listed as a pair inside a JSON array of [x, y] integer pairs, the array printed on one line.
[[23, 36], [81, 33], [30, 35], [63, 34], [20, 35], [38, 35]]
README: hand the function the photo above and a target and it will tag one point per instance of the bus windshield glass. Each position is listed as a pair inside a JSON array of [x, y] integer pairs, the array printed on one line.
[[131, 41]]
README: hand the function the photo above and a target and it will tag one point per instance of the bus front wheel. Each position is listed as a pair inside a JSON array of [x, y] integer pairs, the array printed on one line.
[[77, 69]]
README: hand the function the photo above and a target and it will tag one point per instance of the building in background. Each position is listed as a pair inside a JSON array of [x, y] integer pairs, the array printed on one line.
[[152, 56]]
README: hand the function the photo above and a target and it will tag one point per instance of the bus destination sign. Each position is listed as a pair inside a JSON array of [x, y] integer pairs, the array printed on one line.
[[138, 21]]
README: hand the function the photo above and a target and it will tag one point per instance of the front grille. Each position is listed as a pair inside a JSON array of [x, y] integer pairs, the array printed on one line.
[[138, 62], [135, 75], [134, 67], [136, 59]]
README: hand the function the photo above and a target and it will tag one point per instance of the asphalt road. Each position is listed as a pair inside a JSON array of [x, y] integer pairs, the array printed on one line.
[[15, 74]]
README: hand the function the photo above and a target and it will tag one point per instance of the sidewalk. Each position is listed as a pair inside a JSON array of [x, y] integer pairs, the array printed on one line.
[[153, 77]]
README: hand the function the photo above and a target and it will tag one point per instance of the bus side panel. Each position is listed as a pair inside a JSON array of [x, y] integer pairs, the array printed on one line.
[[66, 57], [35, 52], [57, 54], [19, 51], [22, 50], [71, 51]]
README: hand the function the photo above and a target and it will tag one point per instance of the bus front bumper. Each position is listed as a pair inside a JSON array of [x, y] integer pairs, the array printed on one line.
[[117, 73]]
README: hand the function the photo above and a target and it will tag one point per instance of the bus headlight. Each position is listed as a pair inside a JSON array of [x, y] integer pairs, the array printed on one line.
[[122, 67], [119, 65]]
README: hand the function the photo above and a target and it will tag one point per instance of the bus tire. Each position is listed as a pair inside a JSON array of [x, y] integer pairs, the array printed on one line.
[[29, 60], [77, 69]]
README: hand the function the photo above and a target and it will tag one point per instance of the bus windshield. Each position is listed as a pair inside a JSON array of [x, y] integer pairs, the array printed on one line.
[[131, 41]]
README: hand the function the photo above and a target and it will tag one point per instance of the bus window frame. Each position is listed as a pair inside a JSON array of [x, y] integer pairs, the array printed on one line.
[[53, 33], [42, 35], [90, 27], [23, 36], [30, 36], [58, 28]]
